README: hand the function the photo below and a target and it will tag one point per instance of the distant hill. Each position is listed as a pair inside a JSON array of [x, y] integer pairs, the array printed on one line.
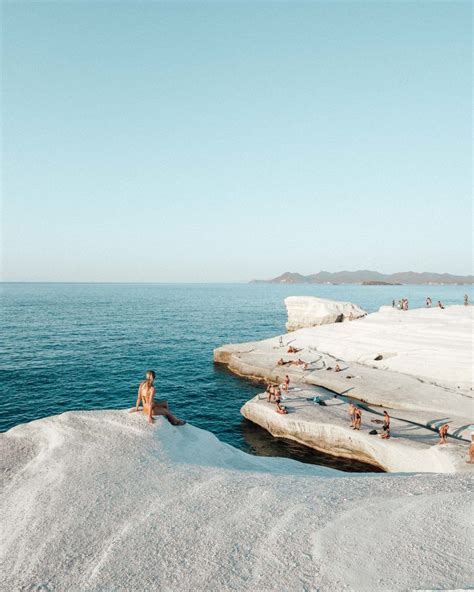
[[368, 277]]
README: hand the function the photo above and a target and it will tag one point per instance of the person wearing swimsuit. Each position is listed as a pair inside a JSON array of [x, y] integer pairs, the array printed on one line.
[[151, 407]]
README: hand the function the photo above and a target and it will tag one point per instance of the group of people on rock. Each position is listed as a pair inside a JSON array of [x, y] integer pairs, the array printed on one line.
[[403, 303], [274, 392], [355, 413], [274, 395], [298, 362], [147, 403], [429, 303]]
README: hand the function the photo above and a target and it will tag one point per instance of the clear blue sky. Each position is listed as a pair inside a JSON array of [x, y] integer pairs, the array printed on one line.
[[228, 141]]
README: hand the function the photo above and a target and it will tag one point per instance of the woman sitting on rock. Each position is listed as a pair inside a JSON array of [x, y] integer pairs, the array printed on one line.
[[150, 407], [281, 409]]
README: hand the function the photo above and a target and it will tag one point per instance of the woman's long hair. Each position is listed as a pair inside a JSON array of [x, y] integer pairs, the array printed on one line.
[[150, 377]]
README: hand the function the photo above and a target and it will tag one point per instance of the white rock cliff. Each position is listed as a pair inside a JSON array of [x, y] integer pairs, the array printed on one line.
[[309, 311]]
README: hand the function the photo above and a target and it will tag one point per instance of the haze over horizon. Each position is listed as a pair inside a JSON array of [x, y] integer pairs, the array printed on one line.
[[210, 142]]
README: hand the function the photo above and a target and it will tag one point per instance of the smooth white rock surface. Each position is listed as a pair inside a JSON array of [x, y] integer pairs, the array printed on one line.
[[309, 311], [432, 344], [103, 501], [424, 376], [411, 448]]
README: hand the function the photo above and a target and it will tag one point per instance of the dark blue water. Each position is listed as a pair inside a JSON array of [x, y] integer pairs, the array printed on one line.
[[87, 346]]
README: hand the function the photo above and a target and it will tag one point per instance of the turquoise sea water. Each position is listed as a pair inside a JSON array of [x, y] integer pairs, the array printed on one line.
[[86, 346]]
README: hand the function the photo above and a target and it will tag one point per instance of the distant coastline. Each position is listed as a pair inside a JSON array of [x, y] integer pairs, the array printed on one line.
[[369, 278]]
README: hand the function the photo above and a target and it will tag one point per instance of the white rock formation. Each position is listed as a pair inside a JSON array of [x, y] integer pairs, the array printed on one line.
[[416, 363], [327, 428], [309, 311], [103, 501]]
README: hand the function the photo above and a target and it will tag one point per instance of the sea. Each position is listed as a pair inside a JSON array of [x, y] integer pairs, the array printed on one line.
[[85, 346]]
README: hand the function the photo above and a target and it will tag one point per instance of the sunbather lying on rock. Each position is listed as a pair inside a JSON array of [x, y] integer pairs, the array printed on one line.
[[282, 362], [281, 409], [293, 350], [299, 362], [151, 407]]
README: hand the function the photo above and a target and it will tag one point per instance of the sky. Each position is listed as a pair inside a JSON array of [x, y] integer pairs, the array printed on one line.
[[226, 141]]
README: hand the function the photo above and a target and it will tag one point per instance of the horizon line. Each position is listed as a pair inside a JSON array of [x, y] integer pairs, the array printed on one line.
[[242, 282]]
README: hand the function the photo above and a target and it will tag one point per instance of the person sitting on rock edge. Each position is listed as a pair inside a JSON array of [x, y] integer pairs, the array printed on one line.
[[281, 409], [151, 407]]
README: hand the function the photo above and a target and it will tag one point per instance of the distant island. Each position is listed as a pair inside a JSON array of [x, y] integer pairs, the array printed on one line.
[[369, 278], [379, 283]]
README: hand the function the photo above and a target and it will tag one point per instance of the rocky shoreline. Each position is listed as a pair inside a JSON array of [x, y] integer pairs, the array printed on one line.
[[433, 343]]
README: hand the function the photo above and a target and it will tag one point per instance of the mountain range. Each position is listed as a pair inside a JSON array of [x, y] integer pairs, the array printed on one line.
[[365, 275]]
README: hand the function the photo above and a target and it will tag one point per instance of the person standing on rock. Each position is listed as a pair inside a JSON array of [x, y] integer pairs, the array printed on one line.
[[286, 383], [466, 300], [351, 412], [357, 418], [428, 302], [443, 432], [386, 421], [269, 391]]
